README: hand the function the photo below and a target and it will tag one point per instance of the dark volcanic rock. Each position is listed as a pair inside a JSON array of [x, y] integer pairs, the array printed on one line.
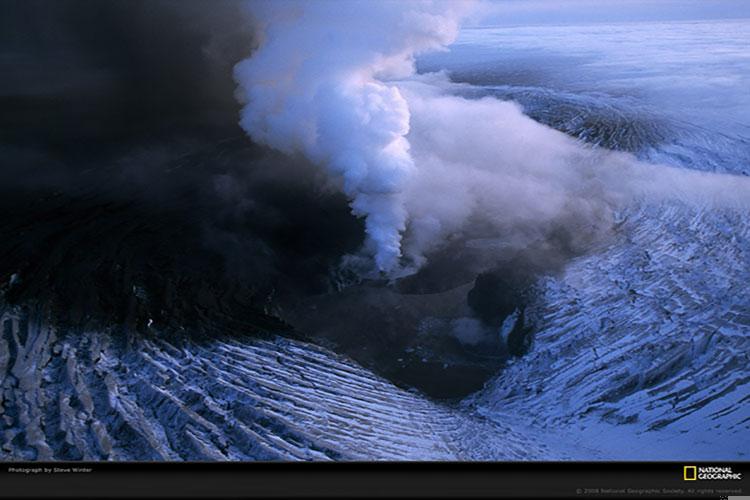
[[155, 239], [496, 295]]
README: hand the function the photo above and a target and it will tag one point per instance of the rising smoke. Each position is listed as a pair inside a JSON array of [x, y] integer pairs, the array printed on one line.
[[336, 82], [320, 84]]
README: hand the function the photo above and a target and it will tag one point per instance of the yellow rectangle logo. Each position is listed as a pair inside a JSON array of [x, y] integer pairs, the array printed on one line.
[[690, 473]]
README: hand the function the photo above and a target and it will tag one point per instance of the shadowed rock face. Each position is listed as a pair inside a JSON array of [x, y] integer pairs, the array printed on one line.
[[495, 296], [407, 338], [174, 247], [110, 164], [129, 195]]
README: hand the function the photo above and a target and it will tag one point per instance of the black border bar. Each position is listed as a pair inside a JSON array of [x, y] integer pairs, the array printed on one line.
[[364, 479]]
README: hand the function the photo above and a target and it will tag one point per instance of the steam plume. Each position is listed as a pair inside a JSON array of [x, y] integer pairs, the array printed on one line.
[[335, 81], [319, 84]]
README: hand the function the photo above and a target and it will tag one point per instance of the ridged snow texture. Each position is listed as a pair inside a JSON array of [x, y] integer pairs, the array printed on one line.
[[651, 335], [84, 397], [644, 341]]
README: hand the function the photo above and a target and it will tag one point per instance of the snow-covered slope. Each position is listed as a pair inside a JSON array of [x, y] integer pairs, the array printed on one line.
[[90, 396], [642, 350]]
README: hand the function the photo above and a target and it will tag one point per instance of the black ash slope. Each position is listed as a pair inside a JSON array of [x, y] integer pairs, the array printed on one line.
[[131, 201], [129, 195]]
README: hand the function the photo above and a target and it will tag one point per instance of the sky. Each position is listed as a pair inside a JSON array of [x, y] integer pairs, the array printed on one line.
[[521, 12]]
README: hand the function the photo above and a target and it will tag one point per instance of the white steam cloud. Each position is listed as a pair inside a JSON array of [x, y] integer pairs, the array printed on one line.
[[335, 81], [319, 84]]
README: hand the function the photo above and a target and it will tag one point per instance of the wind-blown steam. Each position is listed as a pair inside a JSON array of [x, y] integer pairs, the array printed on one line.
[[335, 81], [318, 84]]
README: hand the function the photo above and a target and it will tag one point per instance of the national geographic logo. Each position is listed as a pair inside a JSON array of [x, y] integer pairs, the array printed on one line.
[[695, 473]]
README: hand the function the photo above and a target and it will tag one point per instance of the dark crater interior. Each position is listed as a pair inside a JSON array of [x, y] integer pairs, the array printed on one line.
[[131, 201]]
